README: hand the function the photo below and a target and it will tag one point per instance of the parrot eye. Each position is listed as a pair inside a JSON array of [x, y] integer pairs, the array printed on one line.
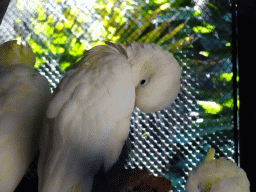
[[143, 81], [200, 186]]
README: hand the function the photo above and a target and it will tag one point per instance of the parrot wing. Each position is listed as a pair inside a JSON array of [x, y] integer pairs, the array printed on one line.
[[87, 122], [24, 95]]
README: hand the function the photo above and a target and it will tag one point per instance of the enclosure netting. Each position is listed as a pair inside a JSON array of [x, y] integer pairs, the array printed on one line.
[[170, 142]]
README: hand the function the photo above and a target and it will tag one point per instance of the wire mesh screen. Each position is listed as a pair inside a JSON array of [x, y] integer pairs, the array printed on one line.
[[170, 142]]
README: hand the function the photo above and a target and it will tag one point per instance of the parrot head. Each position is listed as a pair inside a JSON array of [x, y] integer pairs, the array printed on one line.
[[155, 72], [156, 76], [212, 175], [15, 52]]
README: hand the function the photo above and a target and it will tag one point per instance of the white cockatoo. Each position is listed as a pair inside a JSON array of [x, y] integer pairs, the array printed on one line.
[[218, 175], [88, 119], [24, 95]]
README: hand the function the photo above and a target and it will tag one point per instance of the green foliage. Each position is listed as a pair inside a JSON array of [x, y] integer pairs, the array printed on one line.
[[64, 39], [211, 107], [207, 28]]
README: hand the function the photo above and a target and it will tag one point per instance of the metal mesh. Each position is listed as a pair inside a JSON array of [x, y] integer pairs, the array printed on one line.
[[170, 142]]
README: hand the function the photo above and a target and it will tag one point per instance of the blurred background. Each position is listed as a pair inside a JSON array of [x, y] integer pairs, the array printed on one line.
[[170, 142]]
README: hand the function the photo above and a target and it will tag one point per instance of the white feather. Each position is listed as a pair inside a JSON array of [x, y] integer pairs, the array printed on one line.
[[24, 96]]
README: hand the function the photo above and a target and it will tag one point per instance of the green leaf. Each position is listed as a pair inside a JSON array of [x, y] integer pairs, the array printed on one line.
[[225, 77], [39, 62], [48, 31], [35, 47], [153, 2], [212, 5], [64, 65], [230, 103], [197, 13], [203, 29], [204, 53], [171, 34], [210, 107], [59, 38]]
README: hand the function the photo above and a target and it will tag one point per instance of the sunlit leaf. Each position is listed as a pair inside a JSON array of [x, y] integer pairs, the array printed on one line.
[[225, 77], [197, 13], [147, 21], [53, 49], [203, 29], [76, 28], [165, 6], [50, 19], [35, 47], [72, 42], [154, 34], [77, 49], [59, 26], [97, 43], [59, 38], [204, 53], [39, 62], [212, 5], [60, 50], [48, 30], [229, 103], [178, 45], [71, 12], [64, 65], [210, 107], [160, 1], [39, 27], [170, 35], [120, 32], [68, 24]]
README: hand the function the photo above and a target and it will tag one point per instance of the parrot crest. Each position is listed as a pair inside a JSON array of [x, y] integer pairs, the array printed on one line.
[[210, 155], [14, 52]]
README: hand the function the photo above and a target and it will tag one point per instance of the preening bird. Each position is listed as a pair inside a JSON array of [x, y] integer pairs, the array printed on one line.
[[24, 95], [88, 119], [218, 175]]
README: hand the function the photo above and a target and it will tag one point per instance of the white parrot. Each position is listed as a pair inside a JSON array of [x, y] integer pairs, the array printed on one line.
[[24, 95], [219, 175], [88, 119]]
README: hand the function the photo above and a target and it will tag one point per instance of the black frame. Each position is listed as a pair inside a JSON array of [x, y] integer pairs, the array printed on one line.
[[246, 22]]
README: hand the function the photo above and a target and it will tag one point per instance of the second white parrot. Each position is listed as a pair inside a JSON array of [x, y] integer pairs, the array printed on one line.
[[88, 119], [24, 96], [217, 175]]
